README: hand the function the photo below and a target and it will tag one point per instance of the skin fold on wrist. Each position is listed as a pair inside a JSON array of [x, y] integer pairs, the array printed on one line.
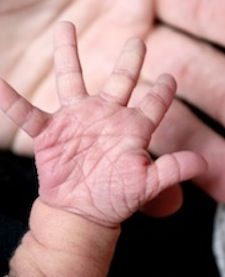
[[60, 243]]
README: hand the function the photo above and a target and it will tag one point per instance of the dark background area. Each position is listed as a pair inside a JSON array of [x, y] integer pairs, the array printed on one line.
[[175, 246]]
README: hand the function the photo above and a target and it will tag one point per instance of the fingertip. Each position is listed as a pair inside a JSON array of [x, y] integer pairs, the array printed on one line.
[[168, 80], [64, 24], [64, 33], [178, 167], [135, 43], [165, 89], [203, 164], [192, 164]]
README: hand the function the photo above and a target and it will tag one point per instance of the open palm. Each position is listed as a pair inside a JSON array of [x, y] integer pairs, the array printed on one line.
[[91, 154], [103, 26]]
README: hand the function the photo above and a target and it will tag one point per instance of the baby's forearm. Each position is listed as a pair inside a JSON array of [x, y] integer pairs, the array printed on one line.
[[63, 244]]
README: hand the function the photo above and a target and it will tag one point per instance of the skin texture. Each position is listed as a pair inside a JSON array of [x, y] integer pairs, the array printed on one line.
[[103, 27], [81, 248], [91, 154], [92, 158]]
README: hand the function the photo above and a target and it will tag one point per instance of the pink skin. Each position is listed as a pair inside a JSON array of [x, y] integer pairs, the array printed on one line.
[[91, 154], [103, 27]]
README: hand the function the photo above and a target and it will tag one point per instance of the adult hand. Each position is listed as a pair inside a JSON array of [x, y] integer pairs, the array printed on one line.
[[103, 26], [92, 154]]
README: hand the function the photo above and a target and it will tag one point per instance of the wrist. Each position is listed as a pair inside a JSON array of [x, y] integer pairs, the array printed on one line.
[[64, 243]]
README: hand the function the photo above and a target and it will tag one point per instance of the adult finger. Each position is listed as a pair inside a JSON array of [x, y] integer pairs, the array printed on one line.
[[69, 77], [201, 18], [24, 114], [198, 68], [158, 99], [171, 169], [125, 74], [181, 129]]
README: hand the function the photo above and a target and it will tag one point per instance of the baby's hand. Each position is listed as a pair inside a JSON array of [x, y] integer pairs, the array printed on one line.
[[91, 154]]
